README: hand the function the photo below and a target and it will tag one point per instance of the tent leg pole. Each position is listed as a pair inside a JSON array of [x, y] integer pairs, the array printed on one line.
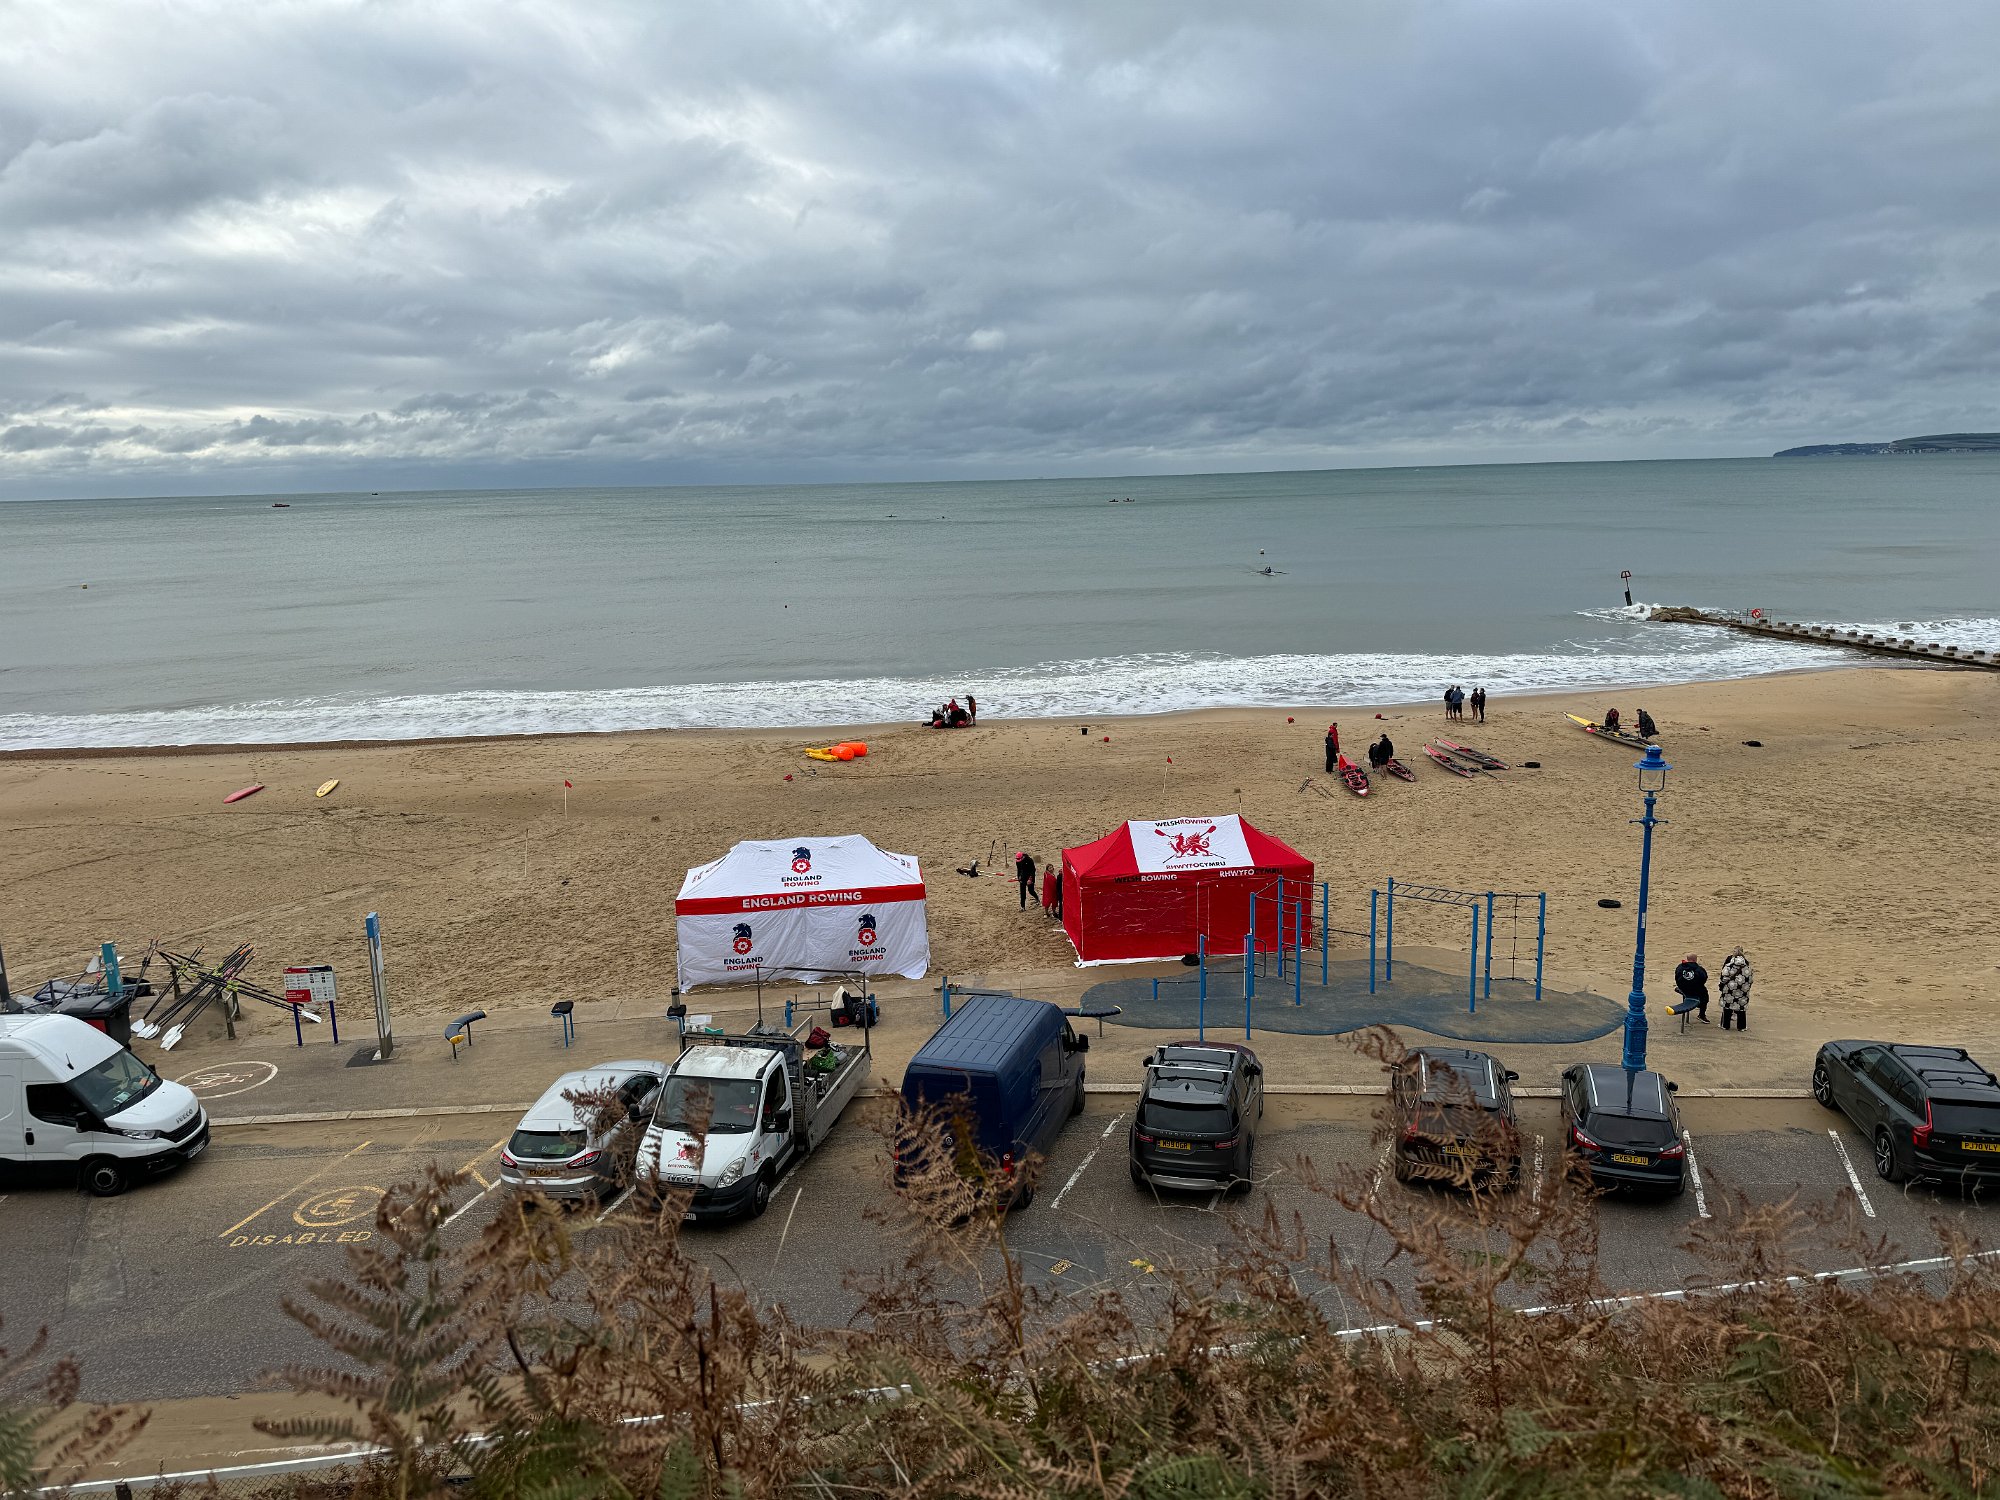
[[1201, 991], [1322, 934]]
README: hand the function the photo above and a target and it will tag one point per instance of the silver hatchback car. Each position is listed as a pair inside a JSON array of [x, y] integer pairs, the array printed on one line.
[[559, 1150]]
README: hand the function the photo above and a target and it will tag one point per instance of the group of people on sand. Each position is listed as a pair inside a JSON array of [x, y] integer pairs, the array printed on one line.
[[1691, 984], [1646, 727], [1052, 883], [1456, 701], [1381, 752], [952, 715]]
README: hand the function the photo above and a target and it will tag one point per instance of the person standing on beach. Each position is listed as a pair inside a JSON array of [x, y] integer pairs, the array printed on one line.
[[1450, 691], [1332, 747], [1479, 704], [1734, 985], [1024, 873], [1691, 983], [1055, 910]]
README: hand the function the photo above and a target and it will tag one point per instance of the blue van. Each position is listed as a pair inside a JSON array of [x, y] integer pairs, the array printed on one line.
[[1018, 1067]]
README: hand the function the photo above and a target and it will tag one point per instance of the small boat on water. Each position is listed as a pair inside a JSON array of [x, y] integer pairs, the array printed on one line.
[[281, 505]]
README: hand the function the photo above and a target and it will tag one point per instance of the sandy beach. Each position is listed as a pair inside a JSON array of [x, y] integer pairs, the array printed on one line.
[[1853, 853]]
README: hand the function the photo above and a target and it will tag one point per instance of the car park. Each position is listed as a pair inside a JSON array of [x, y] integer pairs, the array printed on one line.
[[1453, 1114], [1623, 1127], [1929, 1112], [576, 1141], [1195, 1127]]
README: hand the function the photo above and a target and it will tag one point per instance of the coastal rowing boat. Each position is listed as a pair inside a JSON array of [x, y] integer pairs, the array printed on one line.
[[1353, 775], [1456, 767], [1590, 726], [1479, 758], [1397, 769]]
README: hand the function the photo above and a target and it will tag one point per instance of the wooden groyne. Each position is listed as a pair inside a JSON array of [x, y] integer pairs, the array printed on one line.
[[1909, 648]]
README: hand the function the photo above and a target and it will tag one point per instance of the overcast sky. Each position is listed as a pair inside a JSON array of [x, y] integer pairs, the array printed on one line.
[[304, 245]]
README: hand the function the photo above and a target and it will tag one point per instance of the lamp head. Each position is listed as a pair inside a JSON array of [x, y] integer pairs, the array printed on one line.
[[1652, 770]]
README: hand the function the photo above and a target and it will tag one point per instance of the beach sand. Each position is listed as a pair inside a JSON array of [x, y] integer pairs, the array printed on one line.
[[1854, 854]]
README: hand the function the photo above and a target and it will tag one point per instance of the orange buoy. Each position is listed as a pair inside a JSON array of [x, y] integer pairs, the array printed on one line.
[[859, 748], [844, 752]]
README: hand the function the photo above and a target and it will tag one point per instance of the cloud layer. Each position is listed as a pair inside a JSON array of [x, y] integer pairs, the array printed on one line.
[[441, 243]]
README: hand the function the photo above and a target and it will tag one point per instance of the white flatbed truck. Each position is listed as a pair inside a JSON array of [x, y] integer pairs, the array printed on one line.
[[769, 1101]]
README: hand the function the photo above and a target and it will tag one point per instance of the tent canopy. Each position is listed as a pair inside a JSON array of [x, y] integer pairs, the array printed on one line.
[[1153, 889], [803, 907]]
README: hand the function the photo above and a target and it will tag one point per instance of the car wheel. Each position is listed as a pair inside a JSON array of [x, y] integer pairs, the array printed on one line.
[[1248, 1179], [1138, 1177], [1076, 1104], [760, 1194], [104, 1177], [1023, 1196], [1512, 1182], [1822, 1085], [1886, 1166], [1679, 1188]]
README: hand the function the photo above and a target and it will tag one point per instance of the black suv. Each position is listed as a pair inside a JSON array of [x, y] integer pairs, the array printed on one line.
[[1454, 1118], [1927, 1111], [1623, 1127], [1196, 1124]]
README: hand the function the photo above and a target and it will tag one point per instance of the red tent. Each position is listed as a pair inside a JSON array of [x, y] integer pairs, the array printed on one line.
[[1148, 890]]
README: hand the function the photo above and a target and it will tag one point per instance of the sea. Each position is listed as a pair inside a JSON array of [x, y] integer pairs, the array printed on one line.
[[305, 617]]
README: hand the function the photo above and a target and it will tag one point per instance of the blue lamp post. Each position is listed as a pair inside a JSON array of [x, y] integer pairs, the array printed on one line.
[[1652, 781]]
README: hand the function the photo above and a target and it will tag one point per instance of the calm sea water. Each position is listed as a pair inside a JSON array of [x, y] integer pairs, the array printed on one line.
[[356, 615]]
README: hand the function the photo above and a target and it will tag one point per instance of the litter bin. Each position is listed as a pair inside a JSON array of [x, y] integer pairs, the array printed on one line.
[[112, 1017]]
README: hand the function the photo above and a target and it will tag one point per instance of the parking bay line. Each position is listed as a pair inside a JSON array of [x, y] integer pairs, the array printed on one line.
[[292, 1189], [1694, 1171], [1853, 1176], [1083, 1165], [1535, 1192]]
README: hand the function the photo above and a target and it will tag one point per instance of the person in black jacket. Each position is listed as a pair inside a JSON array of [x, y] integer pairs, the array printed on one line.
[[1024, 872], [1691, 983], [1332, 746]]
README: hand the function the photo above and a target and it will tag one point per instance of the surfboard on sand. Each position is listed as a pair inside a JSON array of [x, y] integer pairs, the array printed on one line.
[[1456, 767], [327, 786], [241, 792], [1591, 726]]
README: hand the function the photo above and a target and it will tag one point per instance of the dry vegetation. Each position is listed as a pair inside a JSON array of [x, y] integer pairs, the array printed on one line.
[[540, 1364]]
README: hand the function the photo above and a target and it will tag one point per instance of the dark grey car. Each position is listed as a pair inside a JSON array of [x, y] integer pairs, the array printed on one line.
[[1927, 1111], [1196, 1125], [1624, 1127]]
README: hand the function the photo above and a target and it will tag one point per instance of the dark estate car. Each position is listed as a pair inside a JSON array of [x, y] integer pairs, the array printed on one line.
[[1624, 1127], [1927, 1111], [1454, 1117], [1196, 1124]]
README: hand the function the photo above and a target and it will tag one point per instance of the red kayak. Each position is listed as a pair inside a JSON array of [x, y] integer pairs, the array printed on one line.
[[1456, 768], [238, 796], [1396, 768], [1353, 775], [1478, 757]]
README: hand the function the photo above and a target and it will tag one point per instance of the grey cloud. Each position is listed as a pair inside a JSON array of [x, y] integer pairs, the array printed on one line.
[[260, 245]]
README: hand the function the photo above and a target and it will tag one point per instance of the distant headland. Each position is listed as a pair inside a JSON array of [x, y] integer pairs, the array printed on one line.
[[1942, 442]]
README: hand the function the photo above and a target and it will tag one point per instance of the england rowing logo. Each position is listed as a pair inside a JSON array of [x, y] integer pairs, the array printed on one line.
[[742, 939], [867, 933], [802, 860]]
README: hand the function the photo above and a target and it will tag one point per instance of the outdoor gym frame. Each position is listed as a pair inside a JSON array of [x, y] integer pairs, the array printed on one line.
[[1479, 966]]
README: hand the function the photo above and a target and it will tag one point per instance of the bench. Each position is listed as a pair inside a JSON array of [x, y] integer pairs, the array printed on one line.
[[1683, 1007], [1099, 1014], [564, 1011], [460, 1030]]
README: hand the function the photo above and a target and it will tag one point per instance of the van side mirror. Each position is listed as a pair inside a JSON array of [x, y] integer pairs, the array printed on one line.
[[782, 1121]]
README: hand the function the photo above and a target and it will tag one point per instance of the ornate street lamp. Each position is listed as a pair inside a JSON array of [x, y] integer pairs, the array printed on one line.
[[1652, 781]]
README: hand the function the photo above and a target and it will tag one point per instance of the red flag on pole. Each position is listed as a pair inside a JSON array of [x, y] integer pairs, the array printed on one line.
[[565, 783]]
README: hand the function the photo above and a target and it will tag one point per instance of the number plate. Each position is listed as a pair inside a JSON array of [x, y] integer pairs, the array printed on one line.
[[1628, 1159], [203, 1146], [1456, 1153], [1177, 1145], [1980, 1145]]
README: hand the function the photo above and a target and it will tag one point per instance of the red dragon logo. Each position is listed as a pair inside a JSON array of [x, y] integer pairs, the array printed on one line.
[[1188, 845]]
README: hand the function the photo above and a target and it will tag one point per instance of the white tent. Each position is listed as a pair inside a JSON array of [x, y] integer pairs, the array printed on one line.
[[802, 909]]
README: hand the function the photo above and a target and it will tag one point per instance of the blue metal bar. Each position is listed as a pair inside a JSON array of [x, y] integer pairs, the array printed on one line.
[[1201, 993], [1374, 906], [1389, 937], [1472, 978], [1156, 983], [1541, 937], [1299, 958], [1489, 945], [944, 989], [1249, 964], [1322, 933], [788, 1013]]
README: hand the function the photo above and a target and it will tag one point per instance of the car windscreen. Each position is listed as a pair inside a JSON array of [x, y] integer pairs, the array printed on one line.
[[116, 1084], [730, 1104], [1956, 1117], [1186, 1116], [546, 1145], [1624, 1130]]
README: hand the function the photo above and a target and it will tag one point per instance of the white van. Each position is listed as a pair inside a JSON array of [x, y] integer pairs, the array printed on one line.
[[76, 1105]]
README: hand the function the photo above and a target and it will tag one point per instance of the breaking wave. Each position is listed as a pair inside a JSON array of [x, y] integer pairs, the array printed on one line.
[[1102, 687]]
